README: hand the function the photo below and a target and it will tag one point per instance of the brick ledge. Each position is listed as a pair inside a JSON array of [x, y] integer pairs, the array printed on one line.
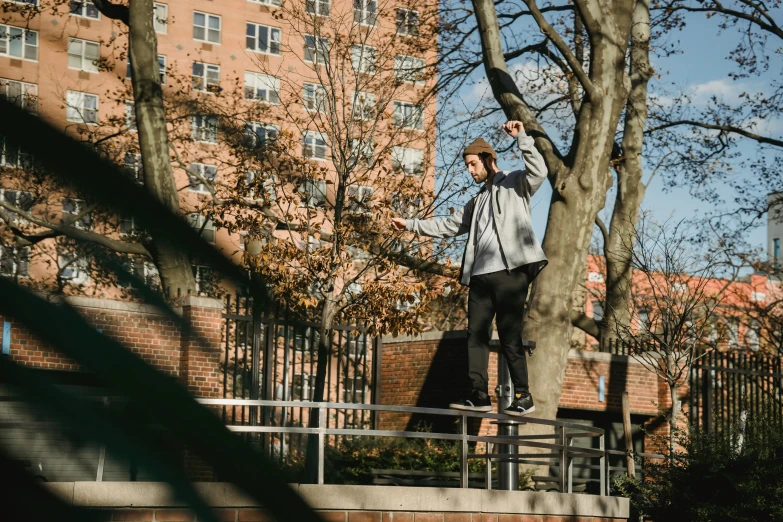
[[350, 498]]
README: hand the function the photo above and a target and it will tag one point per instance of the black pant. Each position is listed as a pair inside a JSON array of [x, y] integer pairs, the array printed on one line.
[[503, 294]]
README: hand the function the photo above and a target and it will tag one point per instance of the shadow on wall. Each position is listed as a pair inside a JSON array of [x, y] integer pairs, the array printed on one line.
[[446, 381]]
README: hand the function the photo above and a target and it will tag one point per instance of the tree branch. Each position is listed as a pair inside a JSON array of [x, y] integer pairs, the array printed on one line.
[[113, 11], [585, 323], [604, 234], [76, 233], [724, 128], [555, 38]]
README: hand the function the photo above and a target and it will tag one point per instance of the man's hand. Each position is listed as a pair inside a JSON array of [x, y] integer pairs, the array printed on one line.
[[513, 127], [398, 223]]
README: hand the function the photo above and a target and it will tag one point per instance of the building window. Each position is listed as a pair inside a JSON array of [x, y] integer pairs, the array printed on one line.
[[263, 39], [409, 69], [362, 152], [408, 116], [25, 2], [73, 268], [314, 145], [752, 336], [129, 226], [161, 69], [130, 116], [276, 3], [598, 311], [365, 12], [408, 303], [409, 161], [206, 77], [357, 345], [406, 207], [313, 192], [160, 18], [21, 94], [18, 43], [407, 22], [203, 226], [303, 387], [776, 249], [363, 106], [318, 7], [72, 214], [262, 87], [314, 97], [85, 9], [359, 199], [13, 155], [733, 333], [83, 55], [354, 390], [206, 281], [643, 318], [22, 200], [207, 172], [316, 49], [82, 107], [363, 58], [132, 162], [264, 183], [260, 134], [203, 128], [14, 261], [145, 272], [595, 277], [206, 27]]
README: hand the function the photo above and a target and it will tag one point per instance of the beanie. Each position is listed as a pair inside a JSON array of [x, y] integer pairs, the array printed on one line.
[[480, 146]]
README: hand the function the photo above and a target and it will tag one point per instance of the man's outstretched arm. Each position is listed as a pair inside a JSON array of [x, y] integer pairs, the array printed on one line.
[[454, 225]]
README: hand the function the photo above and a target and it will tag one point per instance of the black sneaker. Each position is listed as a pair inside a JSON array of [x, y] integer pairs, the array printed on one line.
[[477, 401], [522, 405]]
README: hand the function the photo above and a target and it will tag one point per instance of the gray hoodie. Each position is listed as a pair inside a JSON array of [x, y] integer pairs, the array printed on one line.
[[510, 193]]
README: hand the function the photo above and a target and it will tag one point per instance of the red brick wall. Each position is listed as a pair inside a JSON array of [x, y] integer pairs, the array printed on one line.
[[430, 373], [153, 337]]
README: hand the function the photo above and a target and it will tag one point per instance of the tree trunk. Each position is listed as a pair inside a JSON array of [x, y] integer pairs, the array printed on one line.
[[324, 349], [173, 265], [630, 188]]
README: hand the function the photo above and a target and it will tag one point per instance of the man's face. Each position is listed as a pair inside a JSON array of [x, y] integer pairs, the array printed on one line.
[[476, 168]]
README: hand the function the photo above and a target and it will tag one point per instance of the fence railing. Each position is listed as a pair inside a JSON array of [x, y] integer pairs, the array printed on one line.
[[560, 452], [725, 385], [267, 356]]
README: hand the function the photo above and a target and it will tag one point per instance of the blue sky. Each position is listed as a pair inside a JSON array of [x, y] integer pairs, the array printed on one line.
[[702, 68]]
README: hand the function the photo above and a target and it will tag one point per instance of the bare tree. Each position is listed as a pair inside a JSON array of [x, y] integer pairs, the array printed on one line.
[[677, 286]]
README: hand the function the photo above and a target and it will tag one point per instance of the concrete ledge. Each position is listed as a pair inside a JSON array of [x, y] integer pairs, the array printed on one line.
[[203, 302], [351, 498], [119, 306]]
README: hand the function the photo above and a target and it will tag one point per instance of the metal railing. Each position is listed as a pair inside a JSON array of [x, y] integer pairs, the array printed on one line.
[[561, 451]]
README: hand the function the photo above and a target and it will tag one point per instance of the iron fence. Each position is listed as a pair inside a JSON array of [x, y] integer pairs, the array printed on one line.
[[267, 356], [726, 385]]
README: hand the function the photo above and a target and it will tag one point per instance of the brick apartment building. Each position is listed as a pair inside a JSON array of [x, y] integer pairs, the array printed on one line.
[[68, 63]]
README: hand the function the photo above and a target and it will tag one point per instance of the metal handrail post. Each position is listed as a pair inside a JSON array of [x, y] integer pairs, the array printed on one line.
[[563, 443], [570, 464], [489, 469], [321, 442], [463, 453], [603, 465]]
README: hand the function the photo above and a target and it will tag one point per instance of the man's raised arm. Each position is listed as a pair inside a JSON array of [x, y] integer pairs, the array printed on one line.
[[535, 167]]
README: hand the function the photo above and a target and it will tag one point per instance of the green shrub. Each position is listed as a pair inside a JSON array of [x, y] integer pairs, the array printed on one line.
[[711, 481]]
